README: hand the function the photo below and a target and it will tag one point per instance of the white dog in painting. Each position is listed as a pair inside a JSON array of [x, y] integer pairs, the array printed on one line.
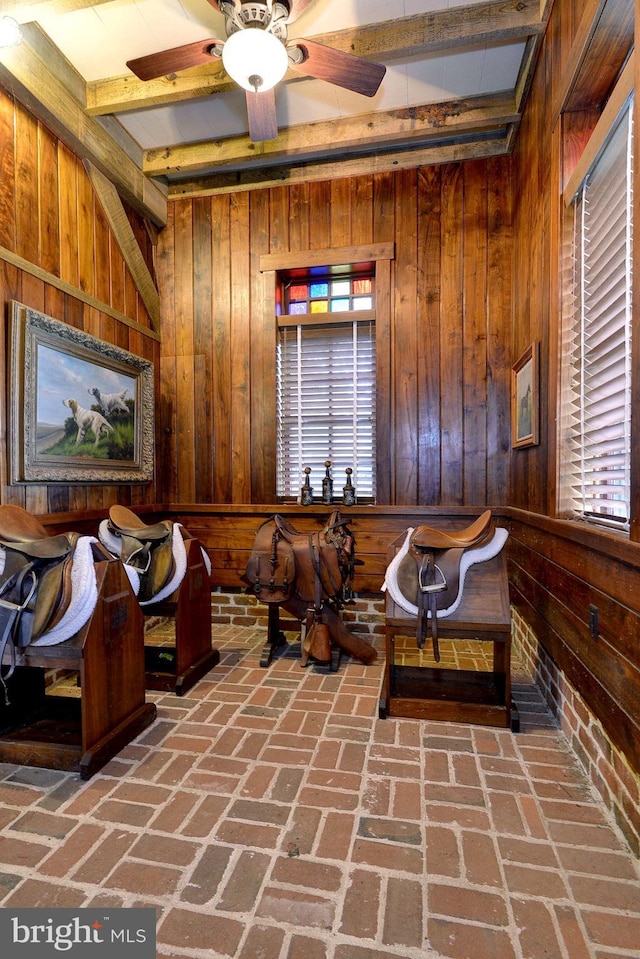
[[88, 420], [109, 402]]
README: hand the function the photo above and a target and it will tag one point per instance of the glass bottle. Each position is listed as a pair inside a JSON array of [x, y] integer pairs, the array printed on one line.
[[306, 492], [327, 484], [349, 490]]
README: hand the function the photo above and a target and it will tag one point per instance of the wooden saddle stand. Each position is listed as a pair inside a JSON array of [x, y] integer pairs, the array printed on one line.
[[310, 576], [39, 590], [151, 551], [453, 585]]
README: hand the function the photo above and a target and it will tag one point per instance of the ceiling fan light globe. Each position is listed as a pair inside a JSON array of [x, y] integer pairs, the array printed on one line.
[[10, 33], [252, 53]]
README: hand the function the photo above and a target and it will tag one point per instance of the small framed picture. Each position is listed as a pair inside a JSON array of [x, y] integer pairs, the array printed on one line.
[[525, 399]]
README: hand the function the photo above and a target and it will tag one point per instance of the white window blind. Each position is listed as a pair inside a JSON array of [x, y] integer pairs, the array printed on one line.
[[326, 405], [597, 347]]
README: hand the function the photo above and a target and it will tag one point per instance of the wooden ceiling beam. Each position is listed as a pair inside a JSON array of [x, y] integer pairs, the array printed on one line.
[[410, 127], [495, 21], [251, 179]]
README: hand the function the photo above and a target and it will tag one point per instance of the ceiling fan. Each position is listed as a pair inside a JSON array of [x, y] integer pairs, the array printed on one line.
[[255, 56]]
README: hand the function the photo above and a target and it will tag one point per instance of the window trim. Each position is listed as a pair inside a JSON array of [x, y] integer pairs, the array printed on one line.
[[306, 346], [617, 105], [381, 255], [608, 119]]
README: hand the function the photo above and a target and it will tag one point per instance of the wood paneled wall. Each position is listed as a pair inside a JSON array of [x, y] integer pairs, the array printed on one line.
[[444, 361], [50, 218], [558, 569]]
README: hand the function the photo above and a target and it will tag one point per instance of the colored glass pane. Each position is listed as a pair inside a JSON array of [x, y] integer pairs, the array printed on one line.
[[340, 287], [362, 286], [362, 303], [317, 290], [299, 292], [319, 306], [296, 309], [340, 306]]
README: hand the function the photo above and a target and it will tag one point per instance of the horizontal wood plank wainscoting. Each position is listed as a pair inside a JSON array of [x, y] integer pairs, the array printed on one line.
[[228, 532], [576, 592]]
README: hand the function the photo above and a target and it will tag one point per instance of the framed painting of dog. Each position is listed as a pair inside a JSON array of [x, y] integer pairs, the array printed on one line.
[[82, 410]]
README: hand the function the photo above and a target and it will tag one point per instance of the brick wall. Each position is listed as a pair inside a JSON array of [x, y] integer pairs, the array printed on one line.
[[235, 608], [605, 766]]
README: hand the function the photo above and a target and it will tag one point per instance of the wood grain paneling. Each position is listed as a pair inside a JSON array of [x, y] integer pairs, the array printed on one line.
[[558, 569], [53, 228], [442, 368], [557, 572]]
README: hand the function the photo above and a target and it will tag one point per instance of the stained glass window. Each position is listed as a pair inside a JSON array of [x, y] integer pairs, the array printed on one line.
[[362, 303], [340, 306], [340, 295], [362, 286]]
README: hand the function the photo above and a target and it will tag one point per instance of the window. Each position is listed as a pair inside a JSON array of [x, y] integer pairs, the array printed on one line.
[[326, 383], [596, 380]]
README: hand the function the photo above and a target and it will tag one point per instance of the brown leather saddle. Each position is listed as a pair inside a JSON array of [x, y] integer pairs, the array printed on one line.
[[429, 573], [35, 582], [148, 549], [316, 567]]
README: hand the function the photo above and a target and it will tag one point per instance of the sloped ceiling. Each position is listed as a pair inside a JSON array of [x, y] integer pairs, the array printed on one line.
[[456, 81]]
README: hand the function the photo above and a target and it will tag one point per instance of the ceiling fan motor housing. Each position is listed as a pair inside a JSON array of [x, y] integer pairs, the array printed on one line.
[[255, 14]]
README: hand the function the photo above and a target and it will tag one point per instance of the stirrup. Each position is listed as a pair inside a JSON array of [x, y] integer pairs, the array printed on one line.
[[9, 618], [438, 585]]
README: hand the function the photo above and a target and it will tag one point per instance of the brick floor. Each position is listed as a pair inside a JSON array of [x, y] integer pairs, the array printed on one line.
[[270, 814]]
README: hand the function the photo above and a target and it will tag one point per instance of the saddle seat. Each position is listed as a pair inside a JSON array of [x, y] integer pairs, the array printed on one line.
[[127, 523], [426, 537], [22, 532]]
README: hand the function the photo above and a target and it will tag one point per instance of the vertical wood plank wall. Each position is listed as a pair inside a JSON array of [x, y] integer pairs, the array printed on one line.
[[443, 366], [559, 569], [50, 217]]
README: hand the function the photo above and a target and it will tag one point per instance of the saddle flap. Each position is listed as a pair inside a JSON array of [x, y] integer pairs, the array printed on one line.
[[271, 570], [41, 589], [434, 574]]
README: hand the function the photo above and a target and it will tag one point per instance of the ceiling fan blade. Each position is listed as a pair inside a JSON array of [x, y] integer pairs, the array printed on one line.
[[343, 69], [261, 110], [171, 61]]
